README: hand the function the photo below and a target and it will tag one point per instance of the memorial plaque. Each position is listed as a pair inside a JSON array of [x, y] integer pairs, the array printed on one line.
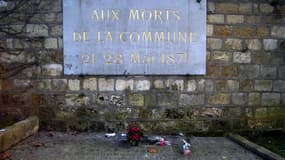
[[134, 37]]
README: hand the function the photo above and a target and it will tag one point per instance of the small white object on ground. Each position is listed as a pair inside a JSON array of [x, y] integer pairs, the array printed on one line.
[[110, 135]]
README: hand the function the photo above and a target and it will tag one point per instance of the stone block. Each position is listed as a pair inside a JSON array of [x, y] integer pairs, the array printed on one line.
[[270, 99], [239, 98], [279, 86], [270, 44], [266, 8], [219, 99], [211, 7], [56, 30], [268, 72], [254, 44], [213, 43], [77, 100], [44, 84], [158, 84], [242, 57], [227, 85], [142, 85], [233, 44], [122, 85], [278, 31], [191, 86], [201, 85], [222, 30], [281, 72], [235, 19], [221, 56], [106, 84], [191, 100], [216, 18], [262, 31], [136, 100], [208, 112], [210, 30], [52, 70], [249, 71], [59, 84], [253, 19], [244, 31], [245, 7], [37, 30], [213, 71], [227, 8], [90, 84], [74, 84], [229, 71], [51, 43], [167, 99], [254, 99], [263, 85], [209, 85], [177, 85]]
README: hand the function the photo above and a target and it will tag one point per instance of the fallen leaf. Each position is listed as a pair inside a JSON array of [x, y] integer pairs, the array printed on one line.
[[38, 145], [5, 155], [152, 150]]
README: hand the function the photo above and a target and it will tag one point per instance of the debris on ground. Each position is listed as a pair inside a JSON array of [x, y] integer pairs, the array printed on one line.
[[37, 145], [5, 155], [108, 135], [152, 150], [186, 148]]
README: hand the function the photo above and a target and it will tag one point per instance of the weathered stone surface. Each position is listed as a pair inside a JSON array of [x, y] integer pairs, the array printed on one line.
[[90, 84], [239, 98], [213, 70], [268, 72], [213, 43], [12, 57], [254, 44], [222, 30], [77, 100], [210, 112], [44, 84], [220, 56], [0, 84], [37, 30], [175, 84], [106, 84], [122, 85], [142, 85], [254, 99], [244, 31], [216, 18], [211, 7], [158, 84], [229, 71], [270, 99], [74, 84], [262, 31], [263, 85], [235, 19], [191, 85], [59, 84], [249, 71], [278, 31], [56, 30], [209, 85], [221, 99], [167, 99], [227, 7], [279, 86], [191, 100], [270, 44], [227, 85], [242, 57], [266, 8], [233, 44], [245, 7], [136, 100], [52, 69], [282, 72], [51, 43], [210, 30], [253, 19]]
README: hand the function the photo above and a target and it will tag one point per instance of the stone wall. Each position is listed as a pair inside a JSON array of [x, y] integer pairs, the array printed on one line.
[[244, 87]]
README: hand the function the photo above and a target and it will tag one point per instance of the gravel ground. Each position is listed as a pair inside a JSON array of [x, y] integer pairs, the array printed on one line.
[[94, 146]]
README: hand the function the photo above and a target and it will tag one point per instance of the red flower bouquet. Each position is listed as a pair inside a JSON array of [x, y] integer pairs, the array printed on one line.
[[134, 135]]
